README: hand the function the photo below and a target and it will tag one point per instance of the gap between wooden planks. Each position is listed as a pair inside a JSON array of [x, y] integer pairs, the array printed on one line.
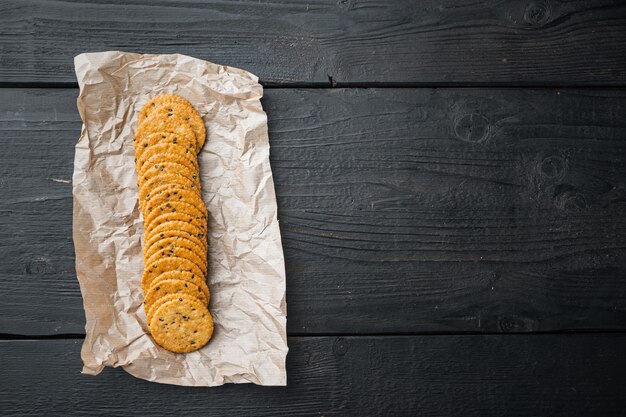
[[402, 210]]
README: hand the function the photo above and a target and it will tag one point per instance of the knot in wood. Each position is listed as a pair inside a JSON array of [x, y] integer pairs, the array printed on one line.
[[538, 13], [552, 167], [340, 347], [345, 4], [473, 127], [39, 265], [509, 324]]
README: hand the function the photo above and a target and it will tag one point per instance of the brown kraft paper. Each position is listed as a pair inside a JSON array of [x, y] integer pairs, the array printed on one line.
[[246, 265]]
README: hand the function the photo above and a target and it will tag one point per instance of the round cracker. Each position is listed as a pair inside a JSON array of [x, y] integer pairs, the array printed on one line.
[[182, 324], [151, 157], [190, 229], [148, 204], [158, 303], [176, 242], [158, 101], [197, 221], [175, 234], [163, 138], [192, 117], [173, 286], [176, 192], [181, 253], [164, 161], [184, 276], [156, 123], [172, 180], [171, 104], [174, 207], [167, 147], [166, 168], [164, 195], [164, 265]]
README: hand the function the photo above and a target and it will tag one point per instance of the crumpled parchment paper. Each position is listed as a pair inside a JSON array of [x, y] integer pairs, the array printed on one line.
[[246, 265]]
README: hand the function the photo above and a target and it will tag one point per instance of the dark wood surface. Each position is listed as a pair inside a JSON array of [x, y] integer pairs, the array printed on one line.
[[331, 41], [401, 210], [455, 238], [482, 376]]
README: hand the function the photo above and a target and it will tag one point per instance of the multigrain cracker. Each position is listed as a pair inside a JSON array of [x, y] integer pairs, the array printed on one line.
[[173, 286], [167, 168], [175, 234], [174, 207], [196, 221], [169, 104], [190, 229], [166, 179], [182, 324], [190, 116], [181, 253], [169, 135], [158, 101], [165, 265], [174, 124], [156, 304], [164, 138], [176, 242], [149, 159], [162, 196], [166, 148], [166, 199], [184, 276]]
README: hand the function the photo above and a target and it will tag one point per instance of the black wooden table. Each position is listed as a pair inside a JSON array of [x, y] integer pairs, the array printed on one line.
[[451, 184]]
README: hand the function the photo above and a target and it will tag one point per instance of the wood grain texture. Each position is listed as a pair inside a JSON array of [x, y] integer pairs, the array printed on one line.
[[556, 375], [452, 42], [409, 210]]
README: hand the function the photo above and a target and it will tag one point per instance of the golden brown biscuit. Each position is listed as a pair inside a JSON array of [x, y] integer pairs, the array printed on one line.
[[173, 286], [181, 253], [164, 138], [168, 105], [155, 269], [184, 276], [181, 325], [187, 228]]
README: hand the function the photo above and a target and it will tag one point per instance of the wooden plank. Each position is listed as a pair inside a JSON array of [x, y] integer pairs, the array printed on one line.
[[548, 375], [326, 42], [409, 210]]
